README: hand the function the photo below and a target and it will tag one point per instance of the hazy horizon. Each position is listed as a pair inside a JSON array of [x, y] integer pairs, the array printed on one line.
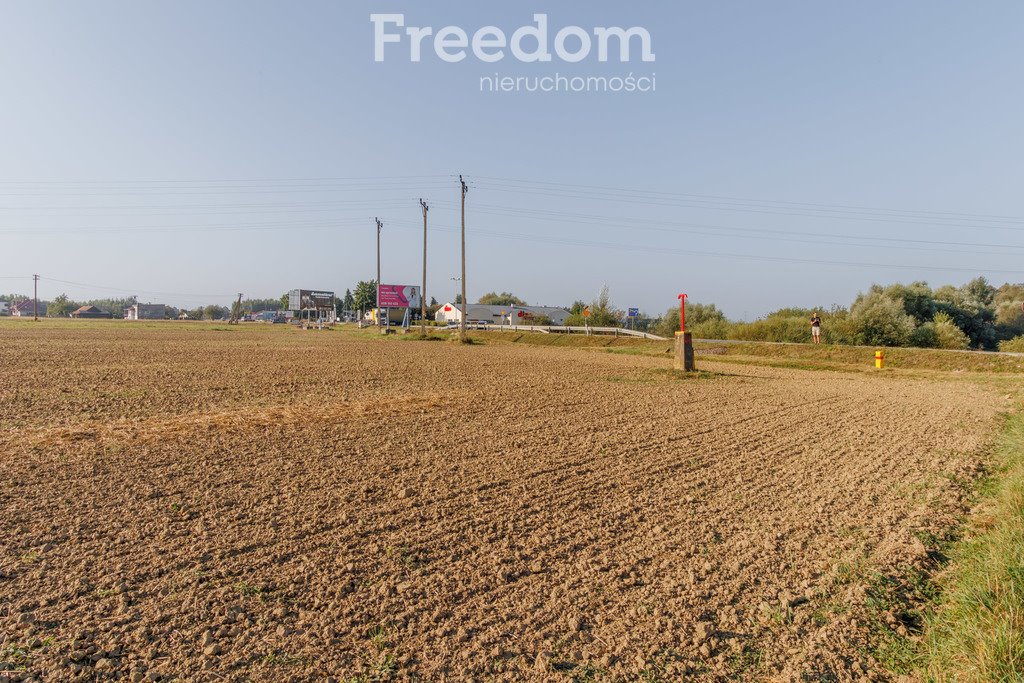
[[791, 155]]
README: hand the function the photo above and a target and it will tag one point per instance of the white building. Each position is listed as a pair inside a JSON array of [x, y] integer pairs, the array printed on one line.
[[501, 315], [146, 312]]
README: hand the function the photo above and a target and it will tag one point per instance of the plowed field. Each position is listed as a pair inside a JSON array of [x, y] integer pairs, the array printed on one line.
[[182, 502]]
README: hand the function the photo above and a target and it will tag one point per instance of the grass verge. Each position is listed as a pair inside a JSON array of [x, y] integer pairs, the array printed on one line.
[[976, 632]]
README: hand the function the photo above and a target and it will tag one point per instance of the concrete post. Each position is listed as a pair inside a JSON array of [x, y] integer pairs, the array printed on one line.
[[683, 358]]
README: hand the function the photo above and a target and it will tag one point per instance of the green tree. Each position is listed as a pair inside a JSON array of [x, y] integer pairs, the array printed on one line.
[[917, 299], [503, 299], [253, 305], [925, 336], [365, 295], [60, 307], [948, 335], [215, 312], [970, 307], [979, 291], [432, 308], [881, 320], [348, 302], [602, 313], [704, 320], [284, 301]]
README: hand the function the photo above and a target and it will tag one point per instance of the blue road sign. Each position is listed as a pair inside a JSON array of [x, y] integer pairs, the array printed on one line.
[[633, 312]]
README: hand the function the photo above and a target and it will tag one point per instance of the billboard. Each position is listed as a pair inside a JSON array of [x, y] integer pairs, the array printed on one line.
[[399, 296], [309, 299]]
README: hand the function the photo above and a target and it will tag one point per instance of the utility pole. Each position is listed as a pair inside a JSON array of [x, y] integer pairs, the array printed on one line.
[[237, 312], [35, 298], [462, 322], [380, 225], [423, 289]]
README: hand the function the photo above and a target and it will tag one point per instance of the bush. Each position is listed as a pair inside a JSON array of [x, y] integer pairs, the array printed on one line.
[[949, 336], [925, 336], [697, 315], [602, 313], [881, 321], [774, 328], [709, 329], [1015, 345]]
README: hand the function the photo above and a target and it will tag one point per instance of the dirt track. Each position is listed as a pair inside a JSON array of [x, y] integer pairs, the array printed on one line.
[[201, 505]]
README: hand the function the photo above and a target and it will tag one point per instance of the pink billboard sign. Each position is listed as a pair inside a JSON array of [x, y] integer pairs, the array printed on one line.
[[399, 296]]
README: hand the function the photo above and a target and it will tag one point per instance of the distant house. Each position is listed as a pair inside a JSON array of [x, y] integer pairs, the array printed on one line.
[[183, 315], [90, 312], [24, 308], [501, 315], [146, 312], [5, 308]]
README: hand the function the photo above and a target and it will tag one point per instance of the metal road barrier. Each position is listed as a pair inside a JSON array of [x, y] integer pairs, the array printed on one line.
[[565, 329]]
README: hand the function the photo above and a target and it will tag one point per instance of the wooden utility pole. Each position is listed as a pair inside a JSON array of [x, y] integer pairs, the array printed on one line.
[[462, 322], [237, 312], [35, 298], [380, 225], [423, 289]]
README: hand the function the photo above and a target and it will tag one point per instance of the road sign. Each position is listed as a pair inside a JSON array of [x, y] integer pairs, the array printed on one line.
[[586, 311], [633, 312]]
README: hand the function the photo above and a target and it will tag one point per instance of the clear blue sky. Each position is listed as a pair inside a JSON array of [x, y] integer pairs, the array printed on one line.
[[194, 148]]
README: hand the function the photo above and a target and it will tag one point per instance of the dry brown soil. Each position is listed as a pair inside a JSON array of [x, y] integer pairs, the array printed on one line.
[[182, 502]]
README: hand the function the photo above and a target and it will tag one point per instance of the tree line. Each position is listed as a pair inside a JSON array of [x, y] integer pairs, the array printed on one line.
[[976, 315]]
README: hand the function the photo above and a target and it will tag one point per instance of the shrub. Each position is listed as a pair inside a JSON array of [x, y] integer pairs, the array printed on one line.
[[925, 336], [709, 329], [881, 320], [697, 315], [1015, 345], [776, 328], [948, 335]]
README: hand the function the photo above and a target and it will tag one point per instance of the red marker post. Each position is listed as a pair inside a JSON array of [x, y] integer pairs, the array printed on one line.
[[684, 359]]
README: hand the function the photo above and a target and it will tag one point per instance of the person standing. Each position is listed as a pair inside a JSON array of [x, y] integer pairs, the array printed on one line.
[[816, 327]]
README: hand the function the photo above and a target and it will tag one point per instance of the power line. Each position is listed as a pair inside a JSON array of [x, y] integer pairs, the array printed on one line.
[[823, 206], [874, 219], [235, 191], [197, 181], [132, 290], [632, 222], [718, 254], [546, 215]]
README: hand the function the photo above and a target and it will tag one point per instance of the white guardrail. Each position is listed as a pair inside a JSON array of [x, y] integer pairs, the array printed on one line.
[[563, 329]]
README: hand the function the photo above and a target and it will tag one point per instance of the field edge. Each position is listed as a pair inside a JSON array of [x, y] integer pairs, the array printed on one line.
[[972, 606]]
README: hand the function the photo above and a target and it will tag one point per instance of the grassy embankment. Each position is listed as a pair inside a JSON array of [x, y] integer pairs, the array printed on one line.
[[975, 632], [796, 356]]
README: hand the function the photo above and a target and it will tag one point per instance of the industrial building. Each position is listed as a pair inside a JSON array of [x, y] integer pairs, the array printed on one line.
[[146, 312], [501, 315]]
